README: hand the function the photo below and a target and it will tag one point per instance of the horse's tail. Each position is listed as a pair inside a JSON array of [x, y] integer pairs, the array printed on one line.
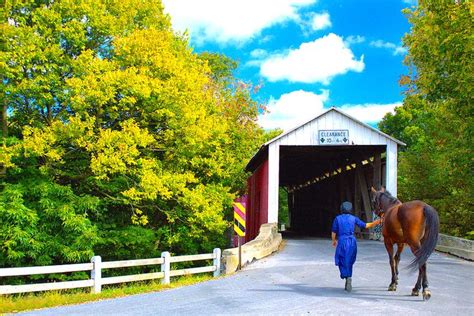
[[430, 238]]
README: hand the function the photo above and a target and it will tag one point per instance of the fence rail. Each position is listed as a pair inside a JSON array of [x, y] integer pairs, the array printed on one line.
[[96, 266]]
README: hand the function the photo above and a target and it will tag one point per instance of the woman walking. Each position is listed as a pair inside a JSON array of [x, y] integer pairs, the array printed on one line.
[[345, 242]]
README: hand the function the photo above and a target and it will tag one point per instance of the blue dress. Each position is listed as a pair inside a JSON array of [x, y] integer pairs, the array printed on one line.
[[346, 250]]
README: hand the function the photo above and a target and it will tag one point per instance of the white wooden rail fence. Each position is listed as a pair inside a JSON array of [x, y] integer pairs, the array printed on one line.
[[96, 281]]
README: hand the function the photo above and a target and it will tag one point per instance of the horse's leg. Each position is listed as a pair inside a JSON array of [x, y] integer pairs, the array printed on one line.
[[389, 247], [426, 291], [397, 258], [416, 290]]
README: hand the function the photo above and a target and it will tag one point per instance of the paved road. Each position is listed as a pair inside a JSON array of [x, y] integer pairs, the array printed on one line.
[[302, 279]]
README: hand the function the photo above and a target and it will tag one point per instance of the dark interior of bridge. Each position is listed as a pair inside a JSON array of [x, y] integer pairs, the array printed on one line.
[[319, 178]]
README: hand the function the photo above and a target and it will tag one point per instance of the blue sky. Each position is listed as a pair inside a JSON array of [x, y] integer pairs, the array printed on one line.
[[308, 55]]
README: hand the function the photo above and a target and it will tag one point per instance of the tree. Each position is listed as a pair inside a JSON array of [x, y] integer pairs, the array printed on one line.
[[221, 67], [436, 119], [114, 110]]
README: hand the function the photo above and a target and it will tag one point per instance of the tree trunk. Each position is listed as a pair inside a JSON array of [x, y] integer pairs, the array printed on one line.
[[3, 170], [4, 119]]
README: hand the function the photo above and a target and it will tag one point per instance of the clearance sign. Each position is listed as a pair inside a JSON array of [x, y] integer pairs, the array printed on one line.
[[239, 218]]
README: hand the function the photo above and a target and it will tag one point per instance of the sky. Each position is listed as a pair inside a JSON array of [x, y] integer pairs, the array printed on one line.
[[306, 55]]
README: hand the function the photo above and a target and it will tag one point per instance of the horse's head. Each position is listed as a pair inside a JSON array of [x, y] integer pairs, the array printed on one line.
[[382, 200], [377, 201]]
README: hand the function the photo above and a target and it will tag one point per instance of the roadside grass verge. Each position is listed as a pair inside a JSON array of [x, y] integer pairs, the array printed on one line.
[[29, 301]]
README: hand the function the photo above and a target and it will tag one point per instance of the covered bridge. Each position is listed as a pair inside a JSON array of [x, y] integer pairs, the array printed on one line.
[[331, 158]]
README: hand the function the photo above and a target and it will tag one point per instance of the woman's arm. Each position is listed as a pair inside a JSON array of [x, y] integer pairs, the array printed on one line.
[[372, 224], [334, 240], [334, 230]]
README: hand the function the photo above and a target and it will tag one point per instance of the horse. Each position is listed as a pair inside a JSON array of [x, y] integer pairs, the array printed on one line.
[[414, 223]]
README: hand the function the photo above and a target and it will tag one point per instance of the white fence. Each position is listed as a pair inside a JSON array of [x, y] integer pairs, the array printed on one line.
[[96, 266]]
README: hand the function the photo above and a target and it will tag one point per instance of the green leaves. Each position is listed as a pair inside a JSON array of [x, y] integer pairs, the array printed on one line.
[[116, 123], [113, 152], [436, 120], [44, 223]]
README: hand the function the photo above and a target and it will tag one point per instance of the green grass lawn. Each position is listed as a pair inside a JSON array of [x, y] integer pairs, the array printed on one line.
[[29, 301]]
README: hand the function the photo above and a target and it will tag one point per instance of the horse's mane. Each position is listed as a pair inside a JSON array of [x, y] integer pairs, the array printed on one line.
[[390, 197]]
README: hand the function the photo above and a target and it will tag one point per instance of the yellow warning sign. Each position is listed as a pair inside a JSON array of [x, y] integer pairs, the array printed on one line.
[[239, 218]]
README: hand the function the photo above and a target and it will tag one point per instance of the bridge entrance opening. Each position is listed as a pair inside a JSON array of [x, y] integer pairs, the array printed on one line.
[[317, 179]]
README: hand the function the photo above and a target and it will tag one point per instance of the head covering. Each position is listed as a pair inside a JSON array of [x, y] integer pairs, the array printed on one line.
[[346, 207]]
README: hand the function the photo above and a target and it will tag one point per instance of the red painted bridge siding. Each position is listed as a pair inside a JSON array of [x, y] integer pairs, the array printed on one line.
[[257, 203]]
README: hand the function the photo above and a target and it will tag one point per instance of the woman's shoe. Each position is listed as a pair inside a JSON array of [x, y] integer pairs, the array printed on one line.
[[348, 286]]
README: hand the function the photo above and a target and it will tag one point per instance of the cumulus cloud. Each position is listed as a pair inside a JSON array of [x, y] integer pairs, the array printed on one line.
[[320, 21], [369, 112], [293, 109], [395, 49], [316, 61], [230, 21]]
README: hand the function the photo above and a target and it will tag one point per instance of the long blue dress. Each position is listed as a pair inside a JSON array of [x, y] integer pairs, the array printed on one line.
[[346, 250]]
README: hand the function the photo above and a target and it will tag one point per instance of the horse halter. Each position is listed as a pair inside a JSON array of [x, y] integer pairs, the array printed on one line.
[[378, 210]]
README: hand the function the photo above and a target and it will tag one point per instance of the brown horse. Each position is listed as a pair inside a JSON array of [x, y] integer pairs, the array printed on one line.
[[414, 223]]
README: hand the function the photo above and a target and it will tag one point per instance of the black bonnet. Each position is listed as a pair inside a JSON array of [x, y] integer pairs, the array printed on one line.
[[346, 208]]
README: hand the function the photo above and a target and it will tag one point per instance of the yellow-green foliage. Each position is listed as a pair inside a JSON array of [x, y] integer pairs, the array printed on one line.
[[437, 117], [124, 124]]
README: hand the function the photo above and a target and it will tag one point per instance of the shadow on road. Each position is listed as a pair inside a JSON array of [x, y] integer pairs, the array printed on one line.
[[341, 293]]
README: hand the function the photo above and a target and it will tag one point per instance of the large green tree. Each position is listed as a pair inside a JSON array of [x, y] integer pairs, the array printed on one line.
[[436, 119], [114, 121]]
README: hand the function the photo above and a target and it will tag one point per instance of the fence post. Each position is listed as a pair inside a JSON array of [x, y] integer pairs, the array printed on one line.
[[217, 261], [165, 267], [96, 274]]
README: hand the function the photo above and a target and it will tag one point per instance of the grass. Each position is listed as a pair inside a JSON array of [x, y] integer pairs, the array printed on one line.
[[22, 302]]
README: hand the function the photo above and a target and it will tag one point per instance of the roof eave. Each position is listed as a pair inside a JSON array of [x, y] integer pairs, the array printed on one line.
[[342, 113]]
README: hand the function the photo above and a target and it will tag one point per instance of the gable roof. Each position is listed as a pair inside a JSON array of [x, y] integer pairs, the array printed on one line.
[[342, 113], [263, 151]]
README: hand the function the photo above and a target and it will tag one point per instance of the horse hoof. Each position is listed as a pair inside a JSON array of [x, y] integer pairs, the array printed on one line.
[[415, 293], [426, 295], [392, 287]]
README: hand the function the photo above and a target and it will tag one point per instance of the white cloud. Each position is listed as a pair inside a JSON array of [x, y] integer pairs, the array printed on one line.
[[298, 107], [258, 53], [258, 56], [253, 63], [410, 2], [265, 39], [316, 61], [293, 109], [230, 21], [396, 49], [369, 112], [320, 21], [400, 50], [351, 39]]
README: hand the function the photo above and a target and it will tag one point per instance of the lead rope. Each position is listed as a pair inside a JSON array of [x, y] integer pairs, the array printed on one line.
[[378, 228]]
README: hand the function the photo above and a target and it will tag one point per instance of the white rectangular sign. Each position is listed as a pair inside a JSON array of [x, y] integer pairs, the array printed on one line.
[[333, 137]]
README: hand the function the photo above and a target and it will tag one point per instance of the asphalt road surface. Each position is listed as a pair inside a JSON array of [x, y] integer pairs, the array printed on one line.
[[301, 279]]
